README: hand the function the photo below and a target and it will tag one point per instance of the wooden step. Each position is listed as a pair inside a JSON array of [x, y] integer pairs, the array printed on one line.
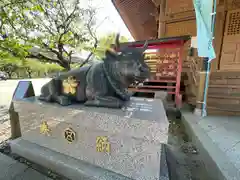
[[161, 80], [225, 75], [225, 81], [221, 112], [155, 87], [147, 90], [165, 77], [225, 107], [231, 92], [223, 96], [151, 60], [224, 86]]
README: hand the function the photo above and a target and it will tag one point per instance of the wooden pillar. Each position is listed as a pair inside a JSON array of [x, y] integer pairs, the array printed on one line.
[[218, 40], [200, 92], [162, 24]]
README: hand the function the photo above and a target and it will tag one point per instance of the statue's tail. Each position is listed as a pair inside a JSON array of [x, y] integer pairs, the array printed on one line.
[[43, 98]]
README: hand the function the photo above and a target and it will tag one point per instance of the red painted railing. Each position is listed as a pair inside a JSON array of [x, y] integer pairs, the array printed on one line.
[[166, 68]]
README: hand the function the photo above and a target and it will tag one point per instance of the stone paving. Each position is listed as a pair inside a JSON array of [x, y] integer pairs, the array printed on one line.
[[13, 170], [218, 137]]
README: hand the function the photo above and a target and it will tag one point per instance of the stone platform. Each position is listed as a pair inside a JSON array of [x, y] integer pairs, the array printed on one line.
[[124, 144], [14, 170], [218, 141]]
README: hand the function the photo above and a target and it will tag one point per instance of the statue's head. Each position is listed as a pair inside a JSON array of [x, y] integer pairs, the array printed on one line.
[[127, 64]]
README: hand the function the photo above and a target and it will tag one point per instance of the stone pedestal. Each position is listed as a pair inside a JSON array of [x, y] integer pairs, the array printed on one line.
[[127, 142]]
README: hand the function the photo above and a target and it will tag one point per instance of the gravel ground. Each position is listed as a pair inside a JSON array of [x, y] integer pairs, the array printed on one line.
[[185, 162], [5, 130], [3, 114]]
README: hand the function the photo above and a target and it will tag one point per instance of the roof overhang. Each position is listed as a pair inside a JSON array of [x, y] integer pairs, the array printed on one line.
[[139, 17], [170, 42]]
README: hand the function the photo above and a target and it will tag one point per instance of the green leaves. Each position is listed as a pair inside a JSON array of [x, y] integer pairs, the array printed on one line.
[[37, 7], [105, 42], [52, 24]]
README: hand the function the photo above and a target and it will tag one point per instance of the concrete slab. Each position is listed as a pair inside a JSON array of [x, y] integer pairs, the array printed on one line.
[[30, 174], [13, 170], [9, 172], [218, 139], [135, 134]]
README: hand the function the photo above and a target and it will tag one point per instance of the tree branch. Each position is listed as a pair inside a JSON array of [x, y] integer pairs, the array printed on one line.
[[42, 57], [9, 50], [93, 36], [9, 20], [69, 19], [51, 49], [89, 56], [15, 2], [62, 8]]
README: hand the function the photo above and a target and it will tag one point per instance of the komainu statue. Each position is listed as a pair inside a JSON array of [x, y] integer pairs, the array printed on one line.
[[102, 84]]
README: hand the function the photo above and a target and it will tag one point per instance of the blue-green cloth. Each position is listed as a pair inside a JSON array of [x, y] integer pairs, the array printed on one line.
[[203, 10]]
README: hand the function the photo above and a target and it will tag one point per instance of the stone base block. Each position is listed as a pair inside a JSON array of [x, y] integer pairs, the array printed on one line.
[[126, 141], [66, 166], [72, 168]]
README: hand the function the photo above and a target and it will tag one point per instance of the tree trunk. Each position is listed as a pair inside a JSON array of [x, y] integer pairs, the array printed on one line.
[[18, 74], [65, 65], [63, 62], [29, 74], [9, 74]]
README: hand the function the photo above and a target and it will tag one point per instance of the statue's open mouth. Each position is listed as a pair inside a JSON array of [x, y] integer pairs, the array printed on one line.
[[140, 79]]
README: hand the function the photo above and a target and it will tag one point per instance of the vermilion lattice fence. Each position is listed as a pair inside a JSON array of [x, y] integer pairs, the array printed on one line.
[[165, 64]]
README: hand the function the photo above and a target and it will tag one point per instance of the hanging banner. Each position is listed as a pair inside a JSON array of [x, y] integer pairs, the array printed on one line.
[[203, 11]]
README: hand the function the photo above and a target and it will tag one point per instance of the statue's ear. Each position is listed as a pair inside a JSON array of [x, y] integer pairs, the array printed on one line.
[[145, 46], [111, 54], [117, 43]]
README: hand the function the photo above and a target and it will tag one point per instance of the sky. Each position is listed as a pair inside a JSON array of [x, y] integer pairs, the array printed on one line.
[[113, 21]]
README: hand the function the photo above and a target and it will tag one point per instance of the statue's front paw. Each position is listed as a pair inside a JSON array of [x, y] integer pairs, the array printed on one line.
[[64, 100], [126, 97]]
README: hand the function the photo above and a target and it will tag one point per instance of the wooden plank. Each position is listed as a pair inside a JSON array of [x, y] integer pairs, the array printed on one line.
[[156, 87], [162, 24], [230, 53], [218, 40], [201, 88], [223, 97], [146, 90], [181, 28], [221, 112], [162, 80], [232, 4], [179, 10], [231, 92], [224, 86]]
